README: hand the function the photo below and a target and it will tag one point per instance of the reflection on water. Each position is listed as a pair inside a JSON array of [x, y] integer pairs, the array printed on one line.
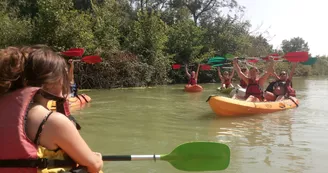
[[156, 120]]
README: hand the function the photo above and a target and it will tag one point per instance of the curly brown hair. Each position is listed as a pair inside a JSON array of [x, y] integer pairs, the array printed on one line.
[[31, 66]]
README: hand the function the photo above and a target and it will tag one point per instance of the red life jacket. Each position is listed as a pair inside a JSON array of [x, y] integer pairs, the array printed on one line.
[[242, 83], [227, 82], [14, 144], [192, 81], [253, 88]]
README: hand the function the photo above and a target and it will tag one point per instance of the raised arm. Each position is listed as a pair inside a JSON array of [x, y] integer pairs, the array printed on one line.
[[71, 71], [219, 74], [186, 68], [292, 71], [233, 72], [239, 72], [196, 75], [274, 74], [266, 75]]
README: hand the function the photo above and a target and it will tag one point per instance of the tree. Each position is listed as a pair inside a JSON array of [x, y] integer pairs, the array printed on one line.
[[294, 44], [185, 41], [199, 7]]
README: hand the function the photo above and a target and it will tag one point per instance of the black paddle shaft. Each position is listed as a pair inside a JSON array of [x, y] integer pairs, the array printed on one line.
[[117, 158]]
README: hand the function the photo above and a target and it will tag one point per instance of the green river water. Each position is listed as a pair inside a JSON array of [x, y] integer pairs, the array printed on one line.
[[156, 120]]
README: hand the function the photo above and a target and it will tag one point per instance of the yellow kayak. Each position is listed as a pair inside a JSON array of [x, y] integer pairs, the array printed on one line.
[[74, 102], [224, 106]]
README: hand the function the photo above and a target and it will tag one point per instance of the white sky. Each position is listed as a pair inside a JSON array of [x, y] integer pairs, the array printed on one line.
[[285, 19]]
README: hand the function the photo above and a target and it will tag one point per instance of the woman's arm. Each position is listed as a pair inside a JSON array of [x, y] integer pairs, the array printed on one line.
[[186, 68], [233, 72], [64, 134], [274, 74], [239, 72], [220, 75], [266, 75], [71, 71]]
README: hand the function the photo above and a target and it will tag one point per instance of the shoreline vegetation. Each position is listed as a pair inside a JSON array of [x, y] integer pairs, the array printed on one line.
[[140, 40]]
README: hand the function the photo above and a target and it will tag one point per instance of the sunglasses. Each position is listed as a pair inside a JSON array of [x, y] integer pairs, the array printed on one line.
[[282, 74]]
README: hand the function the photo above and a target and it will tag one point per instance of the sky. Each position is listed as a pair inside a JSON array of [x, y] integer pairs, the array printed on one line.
[[285, 19]]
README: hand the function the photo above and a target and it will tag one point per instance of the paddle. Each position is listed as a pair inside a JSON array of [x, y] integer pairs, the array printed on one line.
[[214, 60], [92, 59], [202, 66], [310, 61], [228, 64], [290, 56], [192, 156], [73, 52]]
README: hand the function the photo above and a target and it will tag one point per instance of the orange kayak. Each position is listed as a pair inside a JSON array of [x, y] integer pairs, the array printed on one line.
[[74, 102], [224, 106], [193, 88]]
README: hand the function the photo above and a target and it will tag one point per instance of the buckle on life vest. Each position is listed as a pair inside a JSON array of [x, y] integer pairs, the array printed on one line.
[[42, 163]]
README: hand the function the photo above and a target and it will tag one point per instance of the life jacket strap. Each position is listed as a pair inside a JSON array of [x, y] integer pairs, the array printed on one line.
[[40, 163], [62, 106]]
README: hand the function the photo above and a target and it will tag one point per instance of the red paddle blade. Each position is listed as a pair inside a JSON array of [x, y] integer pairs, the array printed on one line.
[[176, 66], [252, 60], [73, 52], [297, 56], [205, 67], [92, 59]]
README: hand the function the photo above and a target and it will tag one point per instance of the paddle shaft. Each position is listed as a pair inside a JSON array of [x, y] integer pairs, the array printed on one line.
[[131, 157]]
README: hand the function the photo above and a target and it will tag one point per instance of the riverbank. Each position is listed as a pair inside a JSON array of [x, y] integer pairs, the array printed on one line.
[[127, 74]]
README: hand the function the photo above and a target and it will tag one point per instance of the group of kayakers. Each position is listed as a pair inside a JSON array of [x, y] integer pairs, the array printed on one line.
[[35, 139], [253, 83]]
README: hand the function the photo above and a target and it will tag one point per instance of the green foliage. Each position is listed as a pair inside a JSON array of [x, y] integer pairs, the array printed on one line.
[[13, 30], [59, 25], [148, 37], [294, 44], [138, 40], [107, 23], [185, 41]]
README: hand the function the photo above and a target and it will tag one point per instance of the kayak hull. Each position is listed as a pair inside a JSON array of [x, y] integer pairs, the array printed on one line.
[[193, 88], [74, 102], [224, 106], [226, 90]]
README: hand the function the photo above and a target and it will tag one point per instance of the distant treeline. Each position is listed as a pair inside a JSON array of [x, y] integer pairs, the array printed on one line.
[[139, 40]]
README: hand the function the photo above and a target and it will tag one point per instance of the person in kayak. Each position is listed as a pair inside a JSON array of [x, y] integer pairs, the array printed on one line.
[[226, 79], [282, 87], [42, 140], [254, 83], [193, 76], [73, 85]]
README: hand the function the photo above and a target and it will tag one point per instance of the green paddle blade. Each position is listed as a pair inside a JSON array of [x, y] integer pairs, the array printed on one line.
[[199, 156], [228, 55], [310, 61], [216, 60]]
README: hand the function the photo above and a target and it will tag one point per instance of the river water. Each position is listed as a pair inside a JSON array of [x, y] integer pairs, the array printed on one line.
[[158, 119]]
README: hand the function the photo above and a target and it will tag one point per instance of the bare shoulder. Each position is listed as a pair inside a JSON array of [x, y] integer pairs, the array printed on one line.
[[59, 120]]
